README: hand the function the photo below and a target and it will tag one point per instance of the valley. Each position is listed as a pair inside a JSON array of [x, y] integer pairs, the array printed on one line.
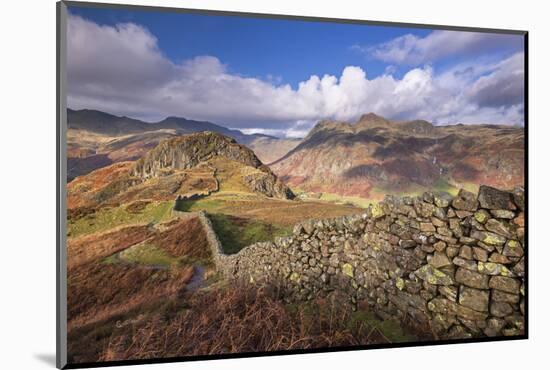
[[142, 281]]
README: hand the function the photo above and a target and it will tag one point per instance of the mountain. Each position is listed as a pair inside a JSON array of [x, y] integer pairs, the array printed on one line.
[[375, 155], [97, 139], [191, 165]]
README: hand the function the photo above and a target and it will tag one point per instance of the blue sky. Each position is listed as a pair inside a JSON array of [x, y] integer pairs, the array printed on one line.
[[281, 76], [258, 47]]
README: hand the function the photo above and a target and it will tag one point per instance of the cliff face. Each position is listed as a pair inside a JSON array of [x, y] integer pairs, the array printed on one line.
[[188, 151], [185, 152]]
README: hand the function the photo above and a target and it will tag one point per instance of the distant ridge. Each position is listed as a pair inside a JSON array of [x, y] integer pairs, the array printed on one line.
[[97, 139], [375, 155]]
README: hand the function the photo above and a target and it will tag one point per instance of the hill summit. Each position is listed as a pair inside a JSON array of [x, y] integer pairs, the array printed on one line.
[[184, 152], [189, 151]]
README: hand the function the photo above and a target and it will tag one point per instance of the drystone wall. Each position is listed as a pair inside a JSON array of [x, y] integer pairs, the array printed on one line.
[[453, 264]]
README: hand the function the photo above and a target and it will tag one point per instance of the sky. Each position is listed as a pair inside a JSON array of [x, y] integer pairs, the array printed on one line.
[[280, 77]]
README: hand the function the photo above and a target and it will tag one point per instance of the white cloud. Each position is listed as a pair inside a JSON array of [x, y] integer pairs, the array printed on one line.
[[121, 70], [414, 50]]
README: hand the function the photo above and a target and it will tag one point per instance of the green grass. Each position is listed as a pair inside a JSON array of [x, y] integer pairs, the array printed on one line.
[[147, 254], [107, 218], [344, 199], [236, 233], [392, 330], [208, 204]]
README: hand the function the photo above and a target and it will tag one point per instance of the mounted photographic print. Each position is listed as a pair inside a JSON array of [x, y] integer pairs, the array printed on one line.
[[234, 184]]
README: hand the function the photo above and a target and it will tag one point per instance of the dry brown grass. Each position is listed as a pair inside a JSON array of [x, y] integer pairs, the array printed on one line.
[[98, 291], [184, 237], [240, 320], [96, 246]]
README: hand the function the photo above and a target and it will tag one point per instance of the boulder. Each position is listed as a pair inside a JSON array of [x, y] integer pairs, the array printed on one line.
[[433, 276], [491, 198], [465, 201], [472, 279], [505, 284], [475, 299], [439, 259]]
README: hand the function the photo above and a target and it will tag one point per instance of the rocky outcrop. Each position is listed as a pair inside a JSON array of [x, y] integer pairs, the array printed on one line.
[[455, 264], [188, 151]]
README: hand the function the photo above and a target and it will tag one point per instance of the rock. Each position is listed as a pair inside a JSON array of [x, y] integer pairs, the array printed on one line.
[[347, 269], [481, 216], [467, 240], [491, 198], [494, 327], [488, 248], [519, 268], [470, 314], [519, 197], [294, 277], [440, 246], [407, 244], [463, 214], [442, 305], [513, 249], [500, 296], [298, 229], [439, 260], [500, 227], [444, 231], [308, 227], [465, 201], [501, 309], [452, 251], [442, 200], [488, 237], [427, 227], [503, 213], [505, 284], [491, 268], [467, 264], [458, 332], [499, 258], [433, 276], [472, 279], [424, 209], [480, 254], [400, 283], [428, 197], [449, 291], [519, 221], [465, 252], [437, 222], [376, 211], [474, 298]]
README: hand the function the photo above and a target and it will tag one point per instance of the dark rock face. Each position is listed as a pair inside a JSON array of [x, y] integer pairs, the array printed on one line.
[[461, 276], [267, 183], [491, 198], [188, 151]]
